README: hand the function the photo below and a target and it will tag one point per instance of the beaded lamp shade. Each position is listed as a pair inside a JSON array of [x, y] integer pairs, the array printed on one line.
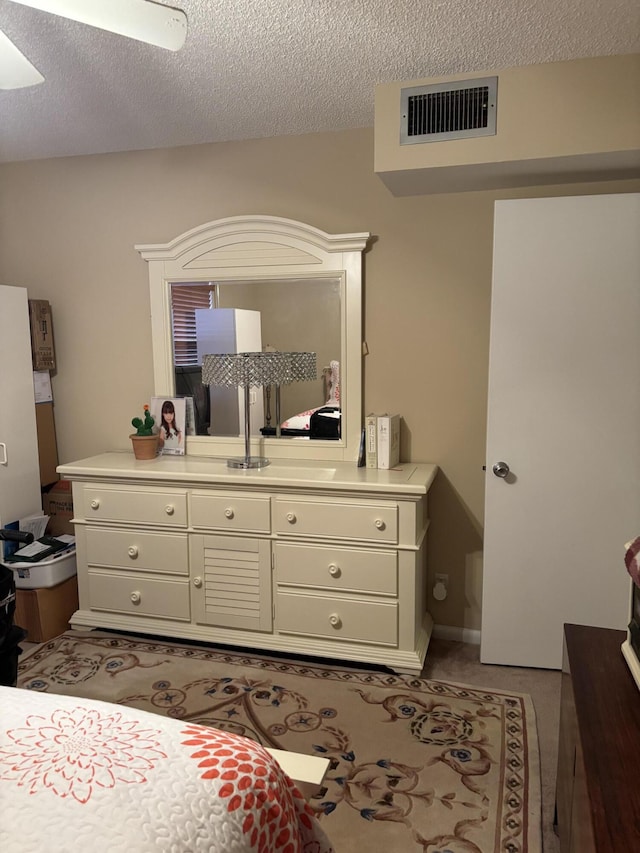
[[250, 370]]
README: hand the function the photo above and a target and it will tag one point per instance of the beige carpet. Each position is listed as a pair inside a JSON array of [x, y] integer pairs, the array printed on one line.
[[416, 764]]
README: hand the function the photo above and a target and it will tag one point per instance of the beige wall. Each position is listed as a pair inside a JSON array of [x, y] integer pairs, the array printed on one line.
[[67, 231], [554, 119]]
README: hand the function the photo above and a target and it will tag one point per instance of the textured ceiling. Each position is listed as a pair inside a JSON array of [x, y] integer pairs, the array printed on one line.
[[254, 68]]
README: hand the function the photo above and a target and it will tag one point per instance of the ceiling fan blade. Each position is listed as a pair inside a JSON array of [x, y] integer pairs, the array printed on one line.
[[143, 20], [16, 72]]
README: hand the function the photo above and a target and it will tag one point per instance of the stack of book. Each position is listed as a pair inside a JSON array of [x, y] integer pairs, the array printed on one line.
[[382, 441]]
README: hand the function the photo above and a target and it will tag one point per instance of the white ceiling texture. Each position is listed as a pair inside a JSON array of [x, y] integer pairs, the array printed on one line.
[[255, 68]]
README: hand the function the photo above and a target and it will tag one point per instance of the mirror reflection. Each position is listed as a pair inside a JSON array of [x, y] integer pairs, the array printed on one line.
[[287, 315]]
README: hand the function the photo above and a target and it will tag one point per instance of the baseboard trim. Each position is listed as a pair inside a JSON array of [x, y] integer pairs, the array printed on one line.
[[461, 635]]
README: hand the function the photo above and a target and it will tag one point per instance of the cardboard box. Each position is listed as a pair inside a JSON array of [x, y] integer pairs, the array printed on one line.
[[42, 350], [45, 613], [57, 503], [47, 445]]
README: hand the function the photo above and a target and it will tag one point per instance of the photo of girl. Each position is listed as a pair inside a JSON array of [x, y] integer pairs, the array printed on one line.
[[169, 416]]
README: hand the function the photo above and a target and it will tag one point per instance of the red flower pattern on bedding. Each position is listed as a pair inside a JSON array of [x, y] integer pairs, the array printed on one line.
[[73, 752], [253, 782]]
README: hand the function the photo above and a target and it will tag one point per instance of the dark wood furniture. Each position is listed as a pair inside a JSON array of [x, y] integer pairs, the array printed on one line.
[[598, 782]]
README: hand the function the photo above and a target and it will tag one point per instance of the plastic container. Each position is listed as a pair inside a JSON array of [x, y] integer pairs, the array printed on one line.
[[44, 573]]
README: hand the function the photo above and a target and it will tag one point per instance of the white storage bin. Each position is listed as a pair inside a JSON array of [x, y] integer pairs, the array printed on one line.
[[45, 572]]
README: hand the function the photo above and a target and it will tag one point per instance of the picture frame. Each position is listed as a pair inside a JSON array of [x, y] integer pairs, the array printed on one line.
[[170, 416]]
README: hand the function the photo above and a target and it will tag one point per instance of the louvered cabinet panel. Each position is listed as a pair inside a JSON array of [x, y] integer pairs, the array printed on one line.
[[231, 582]]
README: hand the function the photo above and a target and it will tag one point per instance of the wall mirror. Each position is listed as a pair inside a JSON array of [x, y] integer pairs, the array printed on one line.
[[302, 286]]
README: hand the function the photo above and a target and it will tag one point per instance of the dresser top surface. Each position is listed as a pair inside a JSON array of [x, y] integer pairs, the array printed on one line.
[[409, 478]]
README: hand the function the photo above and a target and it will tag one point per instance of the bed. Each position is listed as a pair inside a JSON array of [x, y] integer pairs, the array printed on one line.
[[80, 774], [321, 422]]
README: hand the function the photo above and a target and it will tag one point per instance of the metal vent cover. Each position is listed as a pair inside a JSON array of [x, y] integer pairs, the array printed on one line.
[[441, 111]]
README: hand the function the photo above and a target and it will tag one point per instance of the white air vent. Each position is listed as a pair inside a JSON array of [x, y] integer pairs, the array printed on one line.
[[444, 111]]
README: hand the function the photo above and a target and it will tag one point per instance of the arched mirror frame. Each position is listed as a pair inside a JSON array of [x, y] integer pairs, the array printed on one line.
[[263, 248]]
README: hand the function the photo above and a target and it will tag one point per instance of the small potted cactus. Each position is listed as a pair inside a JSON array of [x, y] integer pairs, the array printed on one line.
[[144, 439]]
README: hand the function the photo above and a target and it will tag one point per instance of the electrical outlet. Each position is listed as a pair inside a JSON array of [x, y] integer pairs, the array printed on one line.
[[442, 579]]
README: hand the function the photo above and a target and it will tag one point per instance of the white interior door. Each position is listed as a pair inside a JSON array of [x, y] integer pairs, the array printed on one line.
[[19, 465], [564, 414]]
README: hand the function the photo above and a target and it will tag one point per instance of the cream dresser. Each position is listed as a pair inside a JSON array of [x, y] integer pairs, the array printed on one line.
[[304, 557]]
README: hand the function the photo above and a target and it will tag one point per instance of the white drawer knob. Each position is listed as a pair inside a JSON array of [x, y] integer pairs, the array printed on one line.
[[229, 512], [169, 509], [334, 570], [95, 503], [135, 597], [291, 517], [197, 582], [133, 551], [335, 621], [380, 524]]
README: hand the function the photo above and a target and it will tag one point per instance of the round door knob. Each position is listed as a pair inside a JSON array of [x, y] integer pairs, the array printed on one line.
[[135, 597], [229, 512], [169, 509], [197, 582], [133, 551], [335, 621], [380, 524], [95, 503], [291, 517], [334, 570], [500, 469]]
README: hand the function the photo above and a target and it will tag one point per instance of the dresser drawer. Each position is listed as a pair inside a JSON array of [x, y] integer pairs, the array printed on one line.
[[336, 519], [337, 618], [132, 549], [230, 512], [137, 594], [147, 506], [337, 568]]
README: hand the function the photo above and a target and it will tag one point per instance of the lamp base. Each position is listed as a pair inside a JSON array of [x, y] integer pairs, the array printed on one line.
[[248, 462]]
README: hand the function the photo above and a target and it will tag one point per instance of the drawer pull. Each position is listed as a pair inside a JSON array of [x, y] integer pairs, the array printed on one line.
[[335, 621], [95, 503], [132, 551], [291, 517], [135, 597], [229, 513], [197, 582], [380, 524], [169, 509], [334, 570]]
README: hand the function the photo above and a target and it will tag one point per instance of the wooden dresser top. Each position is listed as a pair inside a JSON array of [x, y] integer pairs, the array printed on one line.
[[607, 703]]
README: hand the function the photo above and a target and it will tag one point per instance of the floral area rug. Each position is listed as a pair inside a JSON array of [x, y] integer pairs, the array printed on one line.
[[416, 765]]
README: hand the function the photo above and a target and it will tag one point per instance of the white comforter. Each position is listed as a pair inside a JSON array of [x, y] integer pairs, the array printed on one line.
[[82, 775]]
